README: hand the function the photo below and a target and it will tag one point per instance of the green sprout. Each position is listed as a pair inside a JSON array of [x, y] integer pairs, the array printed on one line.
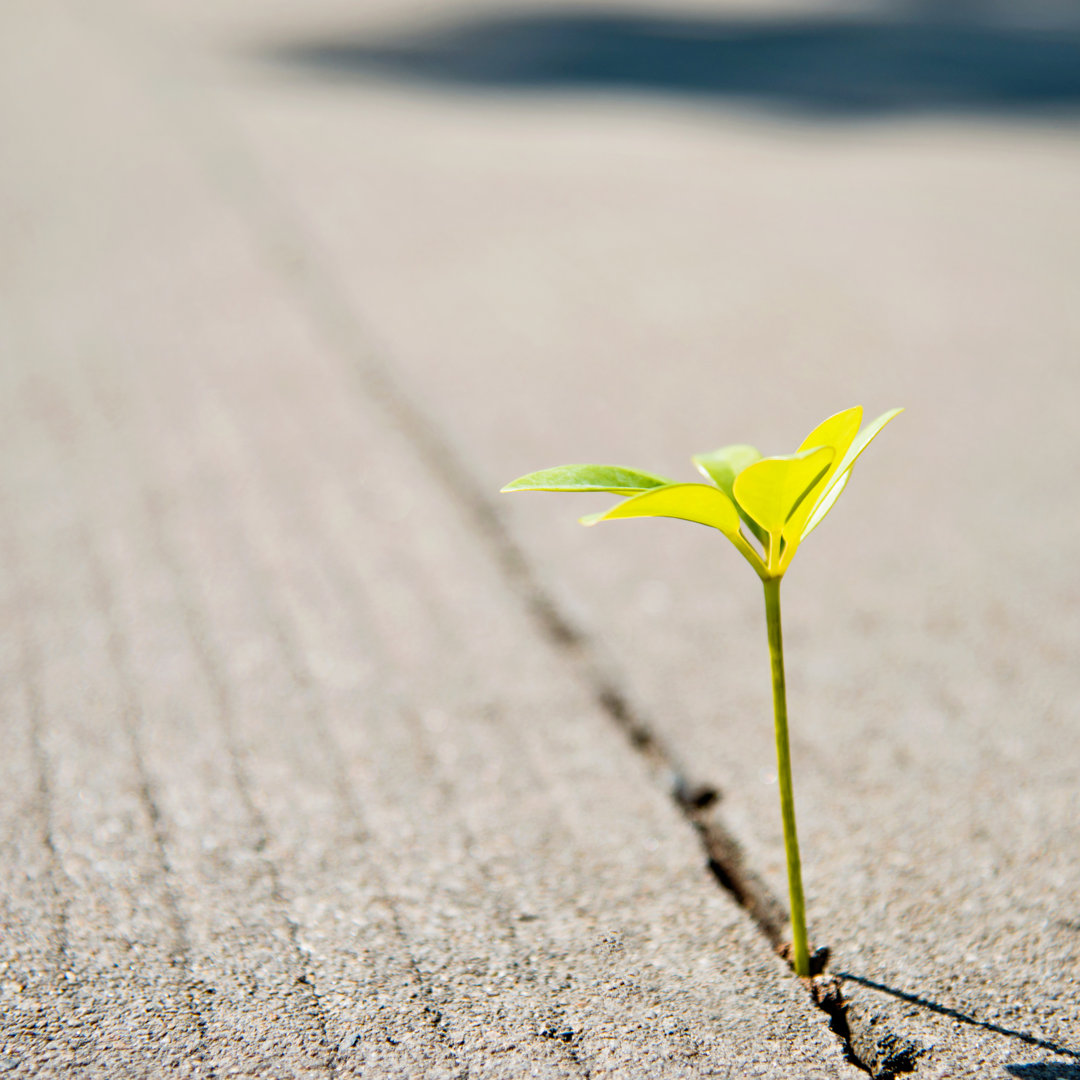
[[766, 507]]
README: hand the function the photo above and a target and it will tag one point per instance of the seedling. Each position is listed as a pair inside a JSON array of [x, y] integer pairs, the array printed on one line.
[[766, 507]]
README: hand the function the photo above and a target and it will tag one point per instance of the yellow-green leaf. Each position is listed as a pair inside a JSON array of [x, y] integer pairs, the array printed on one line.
[[772, 489], [779, 500], [842, 473], [614, 478], [824, 504], [702, 503], [722, 466], [837, 432]]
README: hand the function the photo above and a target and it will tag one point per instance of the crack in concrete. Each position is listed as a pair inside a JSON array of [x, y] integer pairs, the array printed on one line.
[[862, 1043]]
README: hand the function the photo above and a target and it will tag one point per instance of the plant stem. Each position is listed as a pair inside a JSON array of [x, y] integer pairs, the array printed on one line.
[[783, 765]]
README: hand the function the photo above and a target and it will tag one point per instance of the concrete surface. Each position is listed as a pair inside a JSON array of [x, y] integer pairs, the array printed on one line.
[[296, 783]]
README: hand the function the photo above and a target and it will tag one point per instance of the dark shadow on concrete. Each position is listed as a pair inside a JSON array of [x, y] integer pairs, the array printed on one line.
[[896, 58], [955, 1014], [1044, 1071]]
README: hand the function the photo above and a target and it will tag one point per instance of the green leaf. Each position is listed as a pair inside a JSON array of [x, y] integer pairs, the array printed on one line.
[[690, 502], [722, 466], [842, 473], [771, 489], [613, 478]]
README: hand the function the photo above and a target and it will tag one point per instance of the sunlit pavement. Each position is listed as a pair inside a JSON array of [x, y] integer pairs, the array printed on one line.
[[289, 291]]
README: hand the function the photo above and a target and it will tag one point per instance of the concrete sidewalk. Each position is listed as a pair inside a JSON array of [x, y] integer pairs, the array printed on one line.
[[300, 778]]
